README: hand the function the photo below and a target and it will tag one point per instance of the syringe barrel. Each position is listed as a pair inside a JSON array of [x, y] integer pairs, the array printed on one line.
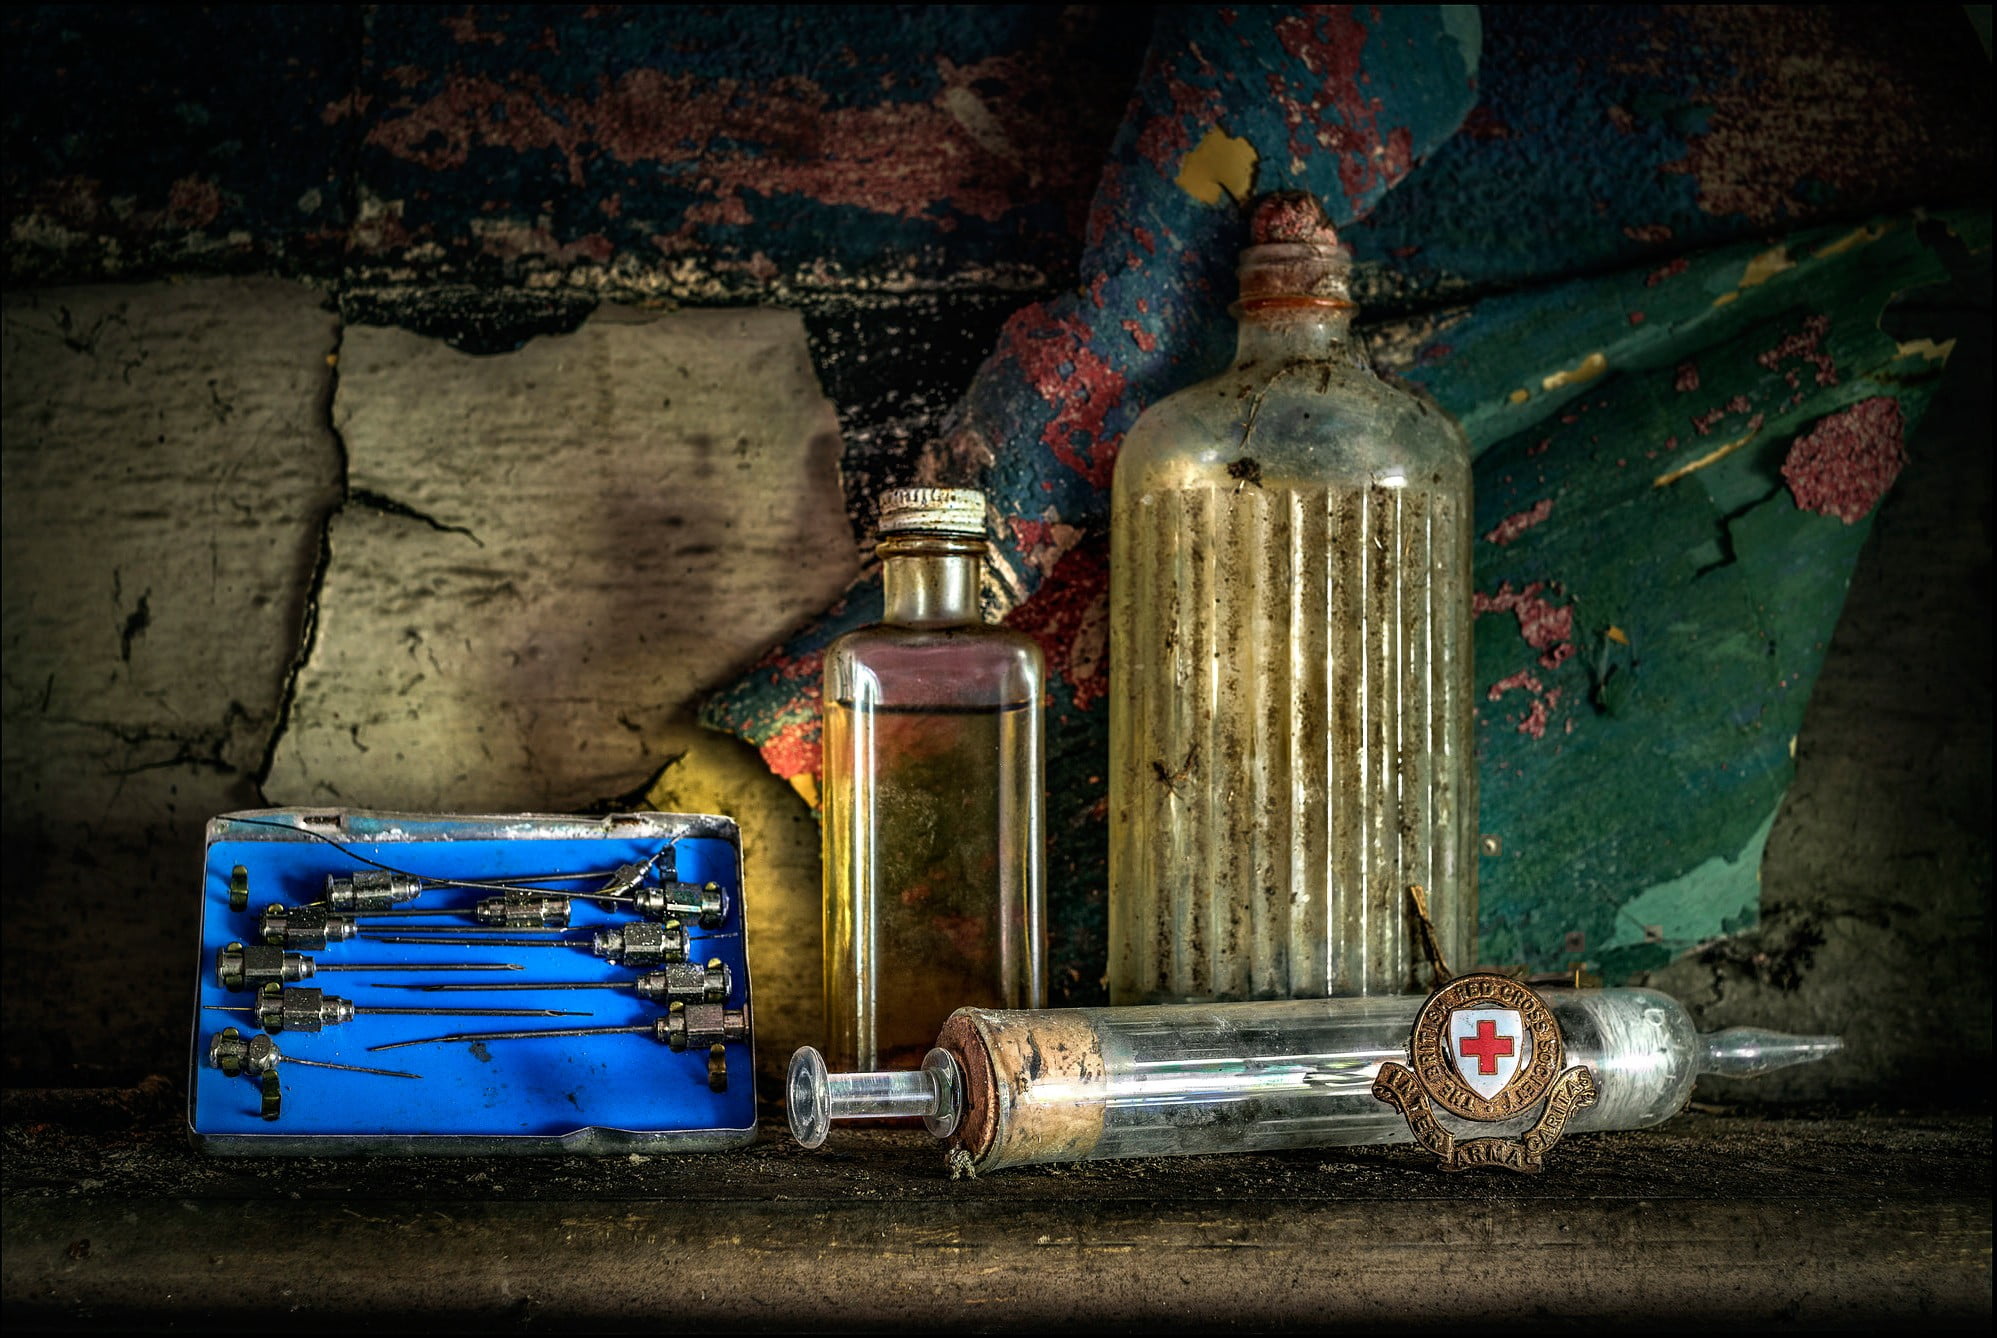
[[1175, 1079]]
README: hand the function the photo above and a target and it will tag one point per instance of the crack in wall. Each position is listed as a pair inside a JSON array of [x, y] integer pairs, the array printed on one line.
[[202, 747], [322, 561], [368, 497]]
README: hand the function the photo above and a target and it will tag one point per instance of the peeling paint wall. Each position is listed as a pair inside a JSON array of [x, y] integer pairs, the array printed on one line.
[[311, 530]]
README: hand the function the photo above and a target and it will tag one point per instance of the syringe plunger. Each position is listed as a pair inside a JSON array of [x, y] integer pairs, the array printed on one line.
[[815, 1098]]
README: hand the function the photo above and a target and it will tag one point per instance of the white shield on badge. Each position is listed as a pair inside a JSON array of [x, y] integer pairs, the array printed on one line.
[[1488, 1045]]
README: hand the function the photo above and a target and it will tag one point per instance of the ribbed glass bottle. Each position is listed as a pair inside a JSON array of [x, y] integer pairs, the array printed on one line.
[[1290, 707]]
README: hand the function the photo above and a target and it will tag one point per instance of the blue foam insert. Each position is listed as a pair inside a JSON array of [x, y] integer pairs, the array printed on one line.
[[543, 1088]]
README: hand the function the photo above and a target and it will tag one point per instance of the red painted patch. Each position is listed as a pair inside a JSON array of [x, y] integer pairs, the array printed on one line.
[[1053, 355], [1703, 423], [1687, 378], [646, 117], [795, 750], [1544, 626], [1069, 616], [1522, 679], [1806, 344], [1162, 140], [1327, 40], [1672, 270], [1650, 234], [1140, 336], [1534, 721], [1636, 318], [1511, 527], [1848, 460], [1798, 105]]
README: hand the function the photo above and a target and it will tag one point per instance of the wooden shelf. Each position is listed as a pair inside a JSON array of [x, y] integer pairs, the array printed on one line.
[[1716, 1219]]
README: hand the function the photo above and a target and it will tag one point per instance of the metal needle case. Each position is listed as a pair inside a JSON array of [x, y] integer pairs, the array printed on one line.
[[1290, 712], [932, 796]]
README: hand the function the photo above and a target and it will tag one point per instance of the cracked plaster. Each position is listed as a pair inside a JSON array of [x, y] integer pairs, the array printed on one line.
[[546, 556], [165, 468]]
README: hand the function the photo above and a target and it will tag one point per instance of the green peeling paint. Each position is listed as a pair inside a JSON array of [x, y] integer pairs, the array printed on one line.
[[1631, 761], [1722, 894]]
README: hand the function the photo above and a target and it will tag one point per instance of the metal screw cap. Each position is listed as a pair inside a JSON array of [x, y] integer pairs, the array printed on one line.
[[952, 511]]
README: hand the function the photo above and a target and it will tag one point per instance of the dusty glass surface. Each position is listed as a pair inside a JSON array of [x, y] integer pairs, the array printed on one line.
[[1096, 1083], [1290, 714], [932, 814]]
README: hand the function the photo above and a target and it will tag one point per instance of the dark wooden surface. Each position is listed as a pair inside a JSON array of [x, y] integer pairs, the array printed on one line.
[[1719, 1219]]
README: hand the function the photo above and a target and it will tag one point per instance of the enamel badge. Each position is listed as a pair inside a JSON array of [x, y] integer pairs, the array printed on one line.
[[1487, 1049]]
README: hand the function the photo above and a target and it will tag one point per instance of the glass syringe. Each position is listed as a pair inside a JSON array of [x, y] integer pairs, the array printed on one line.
[[1011, 1088]]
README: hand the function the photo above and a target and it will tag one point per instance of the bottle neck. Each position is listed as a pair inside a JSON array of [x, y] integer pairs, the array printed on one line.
[[931, 581], [1306, 334]]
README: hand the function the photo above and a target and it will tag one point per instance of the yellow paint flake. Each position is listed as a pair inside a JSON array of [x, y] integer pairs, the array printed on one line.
[[1617, 635], [1718, 453], [1759, 271], [1520, 396], [1926, 348], [1587, 369], [1218, 166], [1860, 236], [806, 785], [1766, 266]]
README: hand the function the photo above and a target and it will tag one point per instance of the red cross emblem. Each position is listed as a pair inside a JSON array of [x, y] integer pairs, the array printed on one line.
[[1486, 1046]]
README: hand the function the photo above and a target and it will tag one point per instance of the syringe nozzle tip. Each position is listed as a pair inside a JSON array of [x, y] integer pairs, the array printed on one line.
[[1749, 1052]]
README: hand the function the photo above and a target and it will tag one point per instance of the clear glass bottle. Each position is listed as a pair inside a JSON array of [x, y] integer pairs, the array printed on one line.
[[932, 822], [1290, 714]]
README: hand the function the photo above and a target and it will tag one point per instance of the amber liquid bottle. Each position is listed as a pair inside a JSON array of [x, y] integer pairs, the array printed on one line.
[[932, 797], [1290, 714]]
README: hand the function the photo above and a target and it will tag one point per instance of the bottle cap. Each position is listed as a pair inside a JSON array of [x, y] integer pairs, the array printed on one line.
[[1293, 257], [954, 511], [1289, 216]]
